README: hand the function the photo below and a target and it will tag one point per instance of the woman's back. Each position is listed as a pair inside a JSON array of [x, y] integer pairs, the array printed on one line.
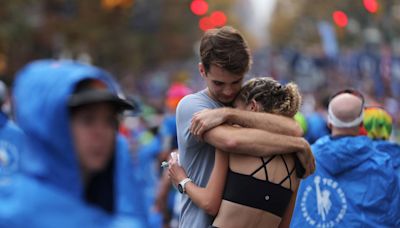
[[259, 196]]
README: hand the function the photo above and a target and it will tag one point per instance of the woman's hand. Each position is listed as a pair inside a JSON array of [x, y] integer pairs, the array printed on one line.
[[175, 172], [307, 159]]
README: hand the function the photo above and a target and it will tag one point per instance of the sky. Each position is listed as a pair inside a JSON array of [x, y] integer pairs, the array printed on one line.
[[257, 17]]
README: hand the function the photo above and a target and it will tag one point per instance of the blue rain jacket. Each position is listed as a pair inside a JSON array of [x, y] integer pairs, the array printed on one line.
[[354, 185], [49, 182], [147, 164], [168, 129], [316, 127], [393, 149], [11, 144]]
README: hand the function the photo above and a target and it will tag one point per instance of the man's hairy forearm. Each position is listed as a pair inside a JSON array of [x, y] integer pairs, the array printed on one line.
[[264, 121], [256, 142], [253, 142]]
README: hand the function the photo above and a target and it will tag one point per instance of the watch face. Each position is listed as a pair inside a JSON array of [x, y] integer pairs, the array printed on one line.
[[180, 189]]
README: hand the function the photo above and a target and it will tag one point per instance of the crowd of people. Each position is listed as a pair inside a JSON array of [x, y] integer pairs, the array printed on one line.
[[76, 152]]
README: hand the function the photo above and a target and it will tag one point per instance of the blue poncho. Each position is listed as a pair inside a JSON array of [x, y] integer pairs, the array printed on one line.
[[354, 185]]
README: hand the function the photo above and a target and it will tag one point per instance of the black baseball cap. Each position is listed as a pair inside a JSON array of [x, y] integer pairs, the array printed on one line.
[[92, 91]]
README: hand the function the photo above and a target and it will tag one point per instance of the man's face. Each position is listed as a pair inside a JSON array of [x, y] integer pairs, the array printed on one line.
[[222, 85], [93, 130]]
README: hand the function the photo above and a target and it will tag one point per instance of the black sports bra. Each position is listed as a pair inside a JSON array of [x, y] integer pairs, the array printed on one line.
[[261, 194]]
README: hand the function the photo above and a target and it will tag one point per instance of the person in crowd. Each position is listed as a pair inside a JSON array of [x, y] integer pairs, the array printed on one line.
[[316, 121], [301, 120], [261, 189], [75, 172], [11, 140], [145, 144], [378, 125], [167, 199], [354, 184], [225, 59]]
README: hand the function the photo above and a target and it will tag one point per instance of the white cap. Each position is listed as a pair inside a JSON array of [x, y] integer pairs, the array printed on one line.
[[336, 122]]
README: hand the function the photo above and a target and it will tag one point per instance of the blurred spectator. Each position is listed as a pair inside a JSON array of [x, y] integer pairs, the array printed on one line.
[[378, 124], [77, 167], [168, 127], [354, 184], [316, 121], [145, 146], [301, 120], [11, 141], [167, 196]]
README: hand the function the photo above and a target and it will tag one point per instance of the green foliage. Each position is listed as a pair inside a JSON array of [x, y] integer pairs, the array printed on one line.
[[121, 40]]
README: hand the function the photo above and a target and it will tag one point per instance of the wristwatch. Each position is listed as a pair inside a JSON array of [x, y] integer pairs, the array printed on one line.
[[181, 185]]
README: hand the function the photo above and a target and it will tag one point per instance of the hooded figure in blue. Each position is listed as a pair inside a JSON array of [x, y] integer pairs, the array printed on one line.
[[354, 185], [65, 168]]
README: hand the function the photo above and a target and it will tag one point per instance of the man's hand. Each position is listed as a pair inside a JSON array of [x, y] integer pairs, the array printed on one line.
[[306, 158], [207, 119]]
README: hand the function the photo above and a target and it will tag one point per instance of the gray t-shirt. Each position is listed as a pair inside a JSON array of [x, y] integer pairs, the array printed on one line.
[[196, 157]]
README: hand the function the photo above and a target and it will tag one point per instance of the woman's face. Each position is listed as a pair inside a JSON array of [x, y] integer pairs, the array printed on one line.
[[93, 130]]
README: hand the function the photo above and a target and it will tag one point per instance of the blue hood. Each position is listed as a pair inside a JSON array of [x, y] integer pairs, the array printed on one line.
[[41, 92], [345, 155]]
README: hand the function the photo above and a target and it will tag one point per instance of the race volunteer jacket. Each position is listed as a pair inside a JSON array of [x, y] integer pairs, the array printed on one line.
[[354, 185]]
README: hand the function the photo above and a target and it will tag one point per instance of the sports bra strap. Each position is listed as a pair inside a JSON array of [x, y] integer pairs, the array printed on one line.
[[264, 165], [289, 173]]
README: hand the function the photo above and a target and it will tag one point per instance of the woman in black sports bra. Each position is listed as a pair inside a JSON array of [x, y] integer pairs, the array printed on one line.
[[259, 191]]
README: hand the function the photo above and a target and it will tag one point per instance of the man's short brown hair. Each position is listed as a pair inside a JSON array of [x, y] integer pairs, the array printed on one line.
[[226, 48]]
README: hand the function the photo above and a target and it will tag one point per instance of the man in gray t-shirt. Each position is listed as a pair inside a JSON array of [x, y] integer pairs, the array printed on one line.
[[195, 156], [225, 59]]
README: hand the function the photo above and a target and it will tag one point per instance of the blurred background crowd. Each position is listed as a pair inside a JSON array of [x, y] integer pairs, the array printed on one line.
[[151, 48], [148, 45]]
